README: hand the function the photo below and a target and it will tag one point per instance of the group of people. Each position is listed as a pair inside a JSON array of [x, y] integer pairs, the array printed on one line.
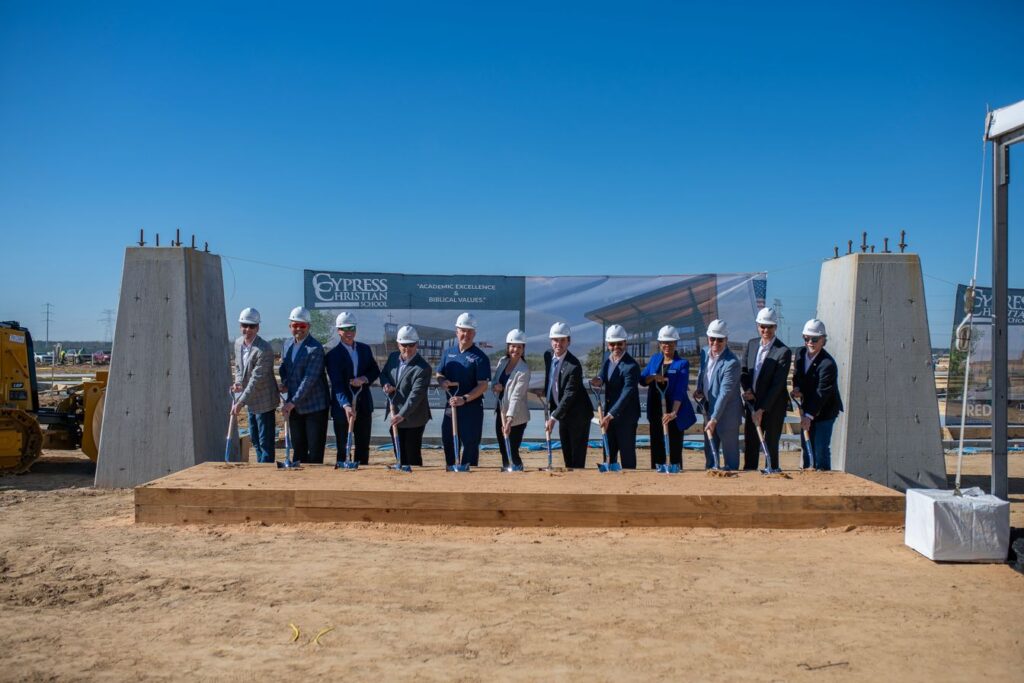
[[317, 385]]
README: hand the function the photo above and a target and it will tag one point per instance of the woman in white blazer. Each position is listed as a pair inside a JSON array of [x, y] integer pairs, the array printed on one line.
[[511, 384]]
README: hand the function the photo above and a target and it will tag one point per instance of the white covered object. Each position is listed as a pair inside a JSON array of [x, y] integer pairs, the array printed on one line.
[[974, 527]]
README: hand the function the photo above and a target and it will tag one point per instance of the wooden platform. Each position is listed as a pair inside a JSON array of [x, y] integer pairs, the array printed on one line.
[[219, 493]]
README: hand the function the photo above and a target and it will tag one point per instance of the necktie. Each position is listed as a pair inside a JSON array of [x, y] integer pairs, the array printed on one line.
[[553, 385]]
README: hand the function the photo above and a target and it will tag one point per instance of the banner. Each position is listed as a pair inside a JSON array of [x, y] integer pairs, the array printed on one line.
[[383, 302], [979, 391]]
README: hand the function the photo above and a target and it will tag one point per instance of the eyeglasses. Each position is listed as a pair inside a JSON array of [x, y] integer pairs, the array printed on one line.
[[406, 346], [767, 327], [715, 340], [616, 344], [298, 326], [812, 340], [247, 326]]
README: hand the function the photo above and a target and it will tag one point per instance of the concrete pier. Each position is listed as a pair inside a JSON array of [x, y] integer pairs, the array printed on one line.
[[874, 311], [167, 397]]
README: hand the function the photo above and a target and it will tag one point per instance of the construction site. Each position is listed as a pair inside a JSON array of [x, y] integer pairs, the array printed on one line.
[[472, 343]]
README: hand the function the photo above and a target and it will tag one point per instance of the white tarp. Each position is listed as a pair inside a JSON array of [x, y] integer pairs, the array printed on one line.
[[974, 527]]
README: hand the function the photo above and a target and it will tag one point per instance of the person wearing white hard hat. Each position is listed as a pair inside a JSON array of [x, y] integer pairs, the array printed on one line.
[[566, 397], [351, 365], [464, 372], [620, 377], [718, 387], [668, 373], [511, 385], [816, 387], [305, 384], [255, 384], [763, 379], [405, 379]]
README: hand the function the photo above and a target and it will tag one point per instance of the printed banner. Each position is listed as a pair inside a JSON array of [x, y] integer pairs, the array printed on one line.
[[979, 391]]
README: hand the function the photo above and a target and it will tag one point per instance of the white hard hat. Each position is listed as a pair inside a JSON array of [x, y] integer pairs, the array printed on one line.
[[767, 316], [668, 334], [300, 315], [515, 337], [345, 319], [407, 335], [559, 330], [466, 321], [718, 329], [616, 333], [814, 328], [249, 316]]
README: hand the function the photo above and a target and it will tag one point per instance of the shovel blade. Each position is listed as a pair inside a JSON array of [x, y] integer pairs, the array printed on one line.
[[288, 465], [347, 465]]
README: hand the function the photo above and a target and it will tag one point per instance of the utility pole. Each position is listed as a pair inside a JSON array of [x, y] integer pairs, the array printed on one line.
[[777, 305], [47, 310], [108, 321]]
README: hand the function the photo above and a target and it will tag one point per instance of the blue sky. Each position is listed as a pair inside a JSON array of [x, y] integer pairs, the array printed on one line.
[[530, 138]]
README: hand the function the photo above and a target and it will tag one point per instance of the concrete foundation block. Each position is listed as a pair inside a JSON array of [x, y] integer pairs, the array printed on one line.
[[873, 307], [167, 396]]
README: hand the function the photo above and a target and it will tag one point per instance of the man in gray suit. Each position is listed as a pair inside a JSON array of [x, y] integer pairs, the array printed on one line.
[[254, 378], [405, 379], [718, 385], [765, 371]]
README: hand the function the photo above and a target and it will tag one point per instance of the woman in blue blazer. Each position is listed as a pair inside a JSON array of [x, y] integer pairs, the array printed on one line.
[[667, 372]]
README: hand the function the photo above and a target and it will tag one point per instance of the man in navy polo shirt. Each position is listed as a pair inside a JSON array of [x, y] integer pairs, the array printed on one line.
[[465, 370]]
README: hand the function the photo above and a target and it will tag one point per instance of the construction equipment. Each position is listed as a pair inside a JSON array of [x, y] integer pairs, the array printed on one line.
[[391, 412], [25, 427], [288, 463], [768, 469]]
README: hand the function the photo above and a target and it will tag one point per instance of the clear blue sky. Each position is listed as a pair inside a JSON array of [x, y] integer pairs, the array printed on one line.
[[530, 138]]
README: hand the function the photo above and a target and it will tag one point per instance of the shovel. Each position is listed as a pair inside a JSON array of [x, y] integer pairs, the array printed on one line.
[[288, 463], [667, 467], [458, 466], [717, 470], [768, 469], [350, 463], [512, 466], [231, 429], [605, 466], [398, 466], [807, 441], [547, 439]]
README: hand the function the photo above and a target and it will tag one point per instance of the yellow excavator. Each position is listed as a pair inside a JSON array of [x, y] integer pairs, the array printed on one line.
[[25, 427]]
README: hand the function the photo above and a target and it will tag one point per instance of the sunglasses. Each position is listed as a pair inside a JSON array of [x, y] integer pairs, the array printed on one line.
[[812, 340], [247, 326], [406, 346], [616, 344], [298, 326], [347, 329], [715, 340], [767, 327]]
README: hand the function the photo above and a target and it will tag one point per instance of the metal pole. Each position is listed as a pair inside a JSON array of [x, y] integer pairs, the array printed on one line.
[[1000, 311]]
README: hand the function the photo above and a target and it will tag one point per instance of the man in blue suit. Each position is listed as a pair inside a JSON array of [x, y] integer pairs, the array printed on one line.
[[719, 384], [302, 377], [620, 376], [351, 365]]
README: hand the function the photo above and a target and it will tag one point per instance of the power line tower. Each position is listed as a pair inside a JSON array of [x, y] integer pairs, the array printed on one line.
[[47, 315], [777, 305], [107, 319]]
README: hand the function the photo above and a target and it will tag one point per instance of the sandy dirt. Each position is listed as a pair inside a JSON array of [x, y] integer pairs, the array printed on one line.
[[87, 594]]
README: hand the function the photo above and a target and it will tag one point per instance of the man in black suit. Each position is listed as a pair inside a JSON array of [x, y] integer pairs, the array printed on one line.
[[816, 386], [763, 379], [567, 399], [620, 376]]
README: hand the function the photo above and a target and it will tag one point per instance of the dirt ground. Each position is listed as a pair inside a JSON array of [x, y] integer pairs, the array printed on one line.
[[87, 594]]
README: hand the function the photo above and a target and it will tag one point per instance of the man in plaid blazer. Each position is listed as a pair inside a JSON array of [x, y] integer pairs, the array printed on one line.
[[303, 378], [254, 378]]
